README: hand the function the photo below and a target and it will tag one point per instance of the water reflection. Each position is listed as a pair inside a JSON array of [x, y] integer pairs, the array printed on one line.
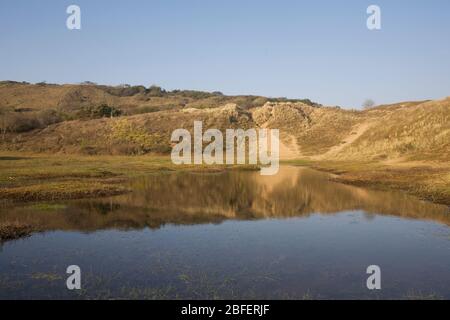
[[197, 198]]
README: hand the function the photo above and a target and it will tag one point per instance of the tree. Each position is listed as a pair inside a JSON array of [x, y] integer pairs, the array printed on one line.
[[368, 104]]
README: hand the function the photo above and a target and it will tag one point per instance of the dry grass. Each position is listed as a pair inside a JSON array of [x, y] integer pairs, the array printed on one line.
[[135, 100], [415, 132], [14, 230], [410, 130], [315, 129], [133, 135]]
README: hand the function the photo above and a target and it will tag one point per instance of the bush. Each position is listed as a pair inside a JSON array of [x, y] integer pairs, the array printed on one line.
[[12, 121], [106, 111], [150, 109], [101, 111], [156, 91], [127, 138], [88, 83], [125, 90], [193, 94], [48, 117], [259, 102]]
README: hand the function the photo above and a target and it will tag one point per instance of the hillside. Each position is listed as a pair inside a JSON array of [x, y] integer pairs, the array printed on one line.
[[71, 98], [144, 119]]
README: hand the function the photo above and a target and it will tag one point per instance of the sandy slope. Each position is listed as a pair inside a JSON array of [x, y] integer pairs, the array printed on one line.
[[410, 131]]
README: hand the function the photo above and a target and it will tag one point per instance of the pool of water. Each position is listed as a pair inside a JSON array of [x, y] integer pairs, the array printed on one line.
[[236, 235]]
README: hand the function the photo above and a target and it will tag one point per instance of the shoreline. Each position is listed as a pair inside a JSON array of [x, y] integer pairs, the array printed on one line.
[[424, 181], [41, 177]]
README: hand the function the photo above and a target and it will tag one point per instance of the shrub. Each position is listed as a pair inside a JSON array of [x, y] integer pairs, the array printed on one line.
[[6, 122], [259, 102], [48, 117], [155, 91], [106, 111], [88, 83], [125, 90], [12, 121], [193, 94], [150, 109], [127, 138], [101, 111]]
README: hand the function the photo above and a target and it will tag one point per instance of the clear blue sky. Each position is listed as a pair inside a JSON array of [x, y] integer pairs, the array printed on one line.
[[317, 49]]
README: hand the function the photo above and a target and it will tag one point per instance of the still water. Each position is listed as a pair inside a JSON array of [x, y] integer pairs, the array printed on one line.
[[235, 235]]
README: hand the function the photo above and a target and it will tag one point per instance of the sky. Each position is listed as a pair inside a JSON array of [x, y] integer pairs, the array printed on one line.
[[318, 49]]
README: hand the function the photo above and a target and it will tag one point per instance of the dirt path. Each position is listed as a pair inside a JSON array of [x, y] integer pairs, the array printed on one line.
[[289, 148], [357, 131]]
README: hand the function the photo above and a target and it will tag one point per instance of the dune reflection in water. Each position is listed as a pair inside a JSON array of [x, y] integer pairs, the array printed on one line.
[[197, 198]]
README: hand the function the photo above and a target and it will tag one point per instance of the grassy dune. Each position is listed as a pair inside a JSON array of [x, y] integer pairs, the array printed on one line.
[[402, 146]]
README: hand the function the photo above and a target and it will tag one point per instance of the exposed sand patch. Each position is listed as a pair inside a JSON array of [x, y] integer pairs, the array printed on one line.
[[289, 149], [357, 132]]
